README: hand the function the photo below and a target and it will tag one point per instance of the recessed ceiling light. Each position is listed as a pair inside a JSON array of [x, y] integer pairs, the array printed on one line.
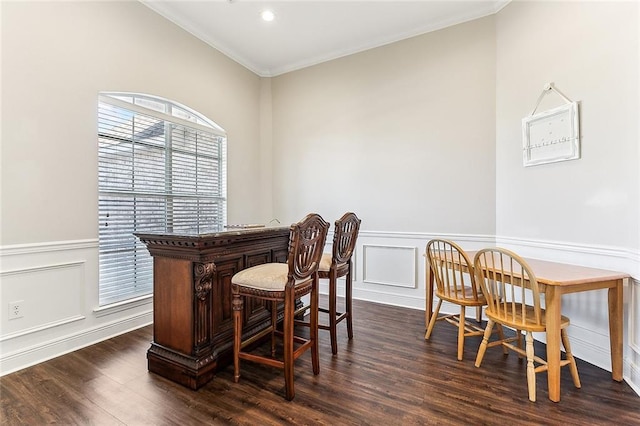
[[267, 15]]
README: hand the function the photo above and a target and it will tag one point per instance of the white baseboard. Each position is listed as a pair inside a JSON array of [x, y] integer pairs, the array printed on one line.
[[632, 375]]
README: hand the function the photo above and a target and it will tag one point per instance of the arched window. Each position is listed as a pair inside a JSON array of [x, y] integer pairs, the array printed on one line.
[[162, 168]]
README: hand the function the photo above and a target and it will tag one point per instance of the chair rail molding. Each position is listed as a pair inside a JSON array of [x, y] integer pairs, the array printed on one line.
[[604, 257], [49, 246]]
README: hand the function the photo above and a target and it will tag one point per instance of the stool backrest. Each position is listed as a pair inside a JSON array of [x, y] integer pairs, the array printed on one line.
[[306, 243], [344, 238]]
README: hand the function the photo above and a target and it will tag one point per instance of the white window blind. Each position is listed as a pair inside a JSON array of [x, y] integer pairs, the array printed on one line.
[[162, 168]]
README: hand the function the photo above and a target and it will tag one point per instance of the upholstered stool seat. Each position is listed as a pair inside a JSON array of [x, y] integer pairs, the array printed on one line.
[[269, 276]]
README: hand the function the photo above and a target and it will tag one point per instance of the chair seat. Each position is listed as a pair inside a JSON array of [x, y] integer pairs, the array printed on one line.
[[268, 276], [530, 323], [462, 295]]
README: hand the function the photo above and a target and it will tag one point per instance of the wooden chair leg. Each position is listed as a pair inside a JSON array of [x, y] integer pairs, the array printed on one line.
[[332, 312], [572, 361], [348, 301], [313, 332], [531, 372], [461, 333], [485, 342], [237, 304], [288, 344], [274, 325], [519, 335], [478, 314], [505, 350], [432, 322]]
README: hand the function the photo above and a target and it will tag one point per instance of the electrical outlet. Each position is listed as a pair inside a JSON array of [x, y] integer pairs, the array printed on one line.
[[15, 309]]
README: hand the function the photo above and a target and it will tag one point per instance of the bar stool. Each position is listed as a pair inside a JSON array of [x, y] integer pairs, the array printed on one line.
[[333, 266], [283, 283]]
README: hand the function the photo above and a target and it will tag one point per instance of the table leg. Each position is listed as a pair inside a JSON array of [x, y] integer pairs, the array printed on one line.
[[553, 298], [428, 308], [615, 329]]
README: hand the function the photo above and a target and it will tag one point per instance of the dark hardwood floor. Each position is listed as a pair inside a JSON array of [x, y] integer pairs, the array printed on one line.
[[387, 375]]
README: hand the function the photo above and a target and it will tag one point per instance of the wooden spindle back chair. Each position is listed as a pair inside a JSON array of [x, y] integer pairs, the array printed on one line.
[[455, 283], [513, 300]]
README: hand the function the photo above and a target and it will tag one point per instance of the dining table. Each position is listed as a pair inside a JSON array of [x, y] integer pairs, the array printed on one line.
[[556, 279]]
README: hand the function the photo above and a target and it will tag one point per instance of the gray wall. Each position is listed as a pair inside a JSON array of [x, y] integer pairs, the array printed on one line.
[[403, 134], [56, 57], [590, 51]]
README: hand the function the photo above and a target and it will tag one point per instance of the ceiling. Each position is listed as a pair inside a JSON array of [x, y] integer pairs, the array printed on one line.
[[307, 32]]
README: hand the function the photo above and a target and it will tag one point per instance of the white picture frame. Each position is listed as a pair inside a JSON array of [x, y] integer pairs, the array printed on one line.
[[551, 136]]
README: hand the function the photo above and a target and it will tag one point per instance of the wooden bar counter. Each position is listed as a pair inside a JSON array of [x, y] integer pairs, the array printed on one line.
[[192, 315]]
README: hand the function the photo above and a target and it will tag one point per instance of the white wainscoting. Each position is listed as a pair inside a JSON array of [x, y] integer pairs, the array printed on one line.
[[393, 266], [31, 286], [632, 358], [388, 261], [634, 316], [56, 284]]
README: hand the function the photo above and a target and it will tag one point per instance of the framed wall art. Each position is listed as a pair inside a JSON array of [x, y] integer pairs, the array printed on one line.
[[553, 135]]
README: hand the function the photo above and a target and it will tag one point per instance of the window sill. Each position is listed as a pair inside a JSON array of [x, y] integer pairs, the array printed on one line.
[[113, 308]]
